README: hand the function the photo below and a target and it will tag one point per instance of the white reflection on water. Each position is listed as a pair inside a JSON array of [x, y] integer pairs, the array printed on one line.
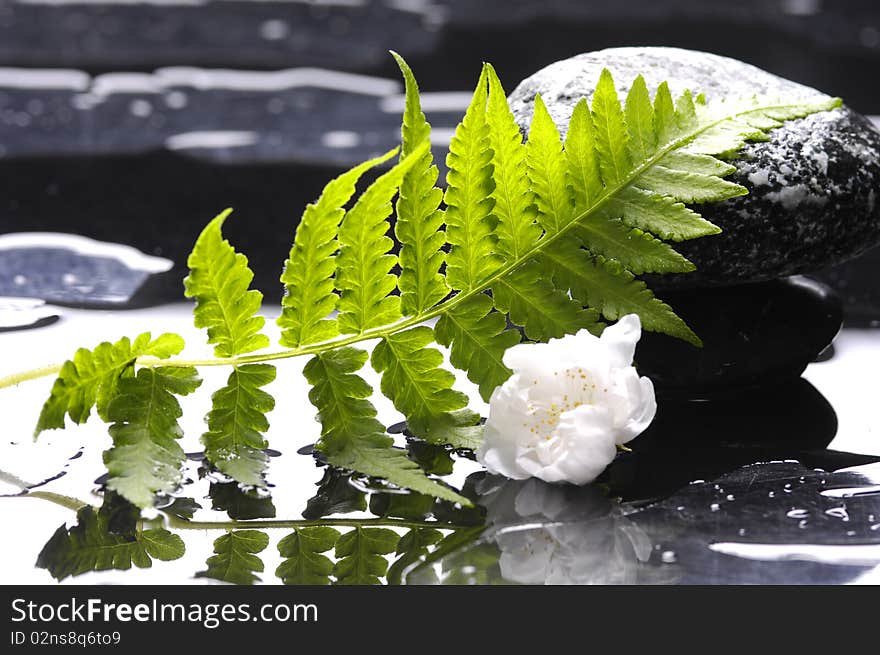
[[837, 554]]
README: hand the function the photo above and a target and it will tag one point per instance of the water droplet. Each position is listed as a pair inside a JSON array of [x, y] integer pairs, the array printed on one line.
[[802, 524], [697, 481], [668, 557], [730, 496], [838, 512], [140, 108], [797, 514], [876, 526], [771, 494], [741, 532], [850, 533], [680, 508], [714, 507], [176, 100]]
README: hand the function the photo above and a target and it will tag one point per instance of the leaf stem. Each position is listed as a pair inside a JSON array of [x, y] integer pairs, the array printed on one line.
[[24, 376], [183, 524]]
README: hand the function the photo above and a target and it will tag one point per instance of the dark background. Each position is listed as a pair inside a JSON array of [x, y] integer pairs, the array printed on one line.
[[99, 166]]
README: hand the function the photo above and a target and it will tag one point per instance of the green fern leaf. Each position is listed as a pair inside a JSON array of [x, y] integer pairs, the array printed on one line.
[[303, 562], [364, 277], [665, 123], [581, 160], [146, 458], [235, 557], [640, 121], [477, 336], [90, 545], [688, 187], [310, 268], [514, 209], [661, 214], [543, 310], [611, 138], [612, 290], [469, 222], [92, 377], [359, 554], [234, 441], [547, 171], [419, 226], [219, 279], [422, 391], [351, 437], [637, 251], [732, 123]]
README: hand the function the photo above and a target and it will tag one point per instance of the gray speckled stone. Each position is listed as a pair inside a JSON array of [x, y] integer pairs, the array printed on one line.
[[813, 188]]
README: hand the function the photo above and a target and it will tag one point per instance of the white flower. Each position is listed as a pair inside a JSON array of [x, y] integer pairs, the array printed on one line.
[[567, 406]]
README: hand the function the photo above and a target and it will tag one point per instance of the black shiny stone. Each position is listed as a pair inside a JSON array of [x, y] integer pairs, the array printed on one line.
[[751, 334], [813, 186]]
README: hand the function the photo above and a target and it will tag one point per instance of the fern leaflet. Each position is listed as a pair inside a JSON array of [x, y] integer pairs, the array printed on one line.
[[419, 219], [469, 203], [219, 279], [364, 278], [359, 554], [235, 557], [303, 562], [92, 377], [146, 458], [234, 441], [351, 437], [420, 389], [308, 272]]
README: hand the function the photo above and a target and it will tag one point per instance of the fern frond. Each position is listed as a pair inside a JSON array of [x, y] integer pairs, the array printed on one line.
[[469, 185], [608, 287], [477, 337], [413, 379], [351, 437], [310, 267], [234, 441], [514, 210], [359, 554], [91, 378], [364, 278], [218, 280], [419, 226], [303, 562], [544, 311], [145, 458], [235, 557]]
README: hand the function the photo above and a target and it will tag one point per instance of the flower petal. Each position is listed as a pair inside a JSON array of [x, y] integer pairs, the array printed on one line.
[[620, 339]]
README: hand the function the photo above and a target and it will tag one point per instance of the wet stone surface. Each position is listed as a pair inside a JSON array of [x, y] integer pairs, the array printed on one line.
[[71, 270], [813, 187], [769, 523]]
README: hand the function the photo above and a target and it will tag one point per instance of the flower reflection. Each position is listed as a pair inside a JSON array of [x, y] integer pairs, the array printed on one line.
[[560, 534]]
